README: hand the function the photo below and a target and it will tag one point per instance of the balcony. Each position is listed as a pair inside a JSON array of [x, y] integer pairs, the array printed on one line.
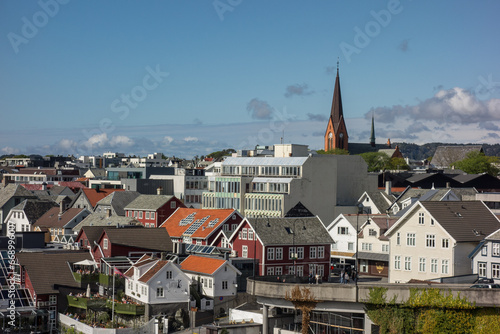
[[86, 278], [86, 303], [130, 309]]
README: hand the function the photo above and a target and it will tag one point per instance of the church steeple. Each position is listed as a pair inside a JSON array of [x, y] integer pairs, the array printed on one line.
[[372, 136], [336, 131]]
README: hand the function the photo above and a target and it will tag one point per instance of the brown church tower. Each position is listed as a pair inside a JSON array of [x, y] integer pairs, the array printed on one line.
[[336, 131]]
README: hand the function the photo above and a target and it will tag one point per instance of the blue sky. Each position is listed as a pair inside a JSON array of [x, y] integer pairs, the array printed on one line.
[[188, 78]]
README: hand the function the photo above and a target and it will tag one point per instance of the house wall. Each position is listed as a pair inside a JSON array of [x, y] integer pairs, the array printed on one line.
[[342, 241], [228, 275], [420, 250], [489, 259], [254, 246], [462, 264]]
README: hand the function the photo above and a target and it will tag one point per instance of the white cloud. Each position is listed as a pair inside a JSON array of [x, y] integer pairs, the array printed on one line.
[[10, 150], [121, 141], [191, 139], [167, 140]]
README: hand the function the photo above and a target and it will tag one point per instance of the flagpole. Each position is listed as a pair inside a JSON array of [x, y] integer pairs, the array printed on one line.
[[113, 307]]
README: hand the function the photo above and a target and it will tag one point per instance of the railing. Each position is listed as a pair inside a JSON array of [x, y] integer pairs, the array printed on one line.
[[86, 278], [130, 309], [85, 303]]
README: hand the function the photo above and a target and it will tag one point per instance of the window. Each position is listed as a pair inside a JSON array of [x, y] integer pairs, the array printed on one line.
[[407, 263], [421, 218], [159, 291], [444, 266], [410, 239], [52, 299], [224, 285], [342, 230], [168, 274], [484, 250], [270, 253], [397, 262], [445, 243], [421, 264], [105, 243], [495, 249], [300, 252], [140, 214], [300, 271], [147, 214], [239, 235], [250, 234], [279, 270], [290, 270], [172, 205], [279, 253], [321, 252], [372, 232], [481, 269], [270, 271], [350, 246], [430, 240], [385, 248], [244, 234], [366, 246], [291, 253], [495, 270], [244, 251], [152, 215], [434, 266], [432, 222], [398, 238], [312, 252]]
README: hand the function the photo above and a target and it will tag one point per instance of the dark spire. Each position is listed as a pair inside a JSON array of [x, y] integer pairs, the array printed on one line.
[[337, 113], [372, 136]]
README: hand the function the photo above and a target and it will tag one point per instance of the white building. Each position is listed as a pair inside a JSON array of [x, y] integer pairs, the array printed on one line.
[[432, 240], [486, 258]]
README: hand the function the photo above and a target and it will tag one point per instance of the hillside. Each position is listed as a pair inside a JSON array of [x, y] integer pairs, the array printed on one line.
[[420, 152]]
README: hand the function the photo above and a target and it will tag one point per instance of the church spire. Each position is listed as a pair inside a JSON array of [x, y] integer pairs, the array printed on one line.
[[336, 131], [372, 136]]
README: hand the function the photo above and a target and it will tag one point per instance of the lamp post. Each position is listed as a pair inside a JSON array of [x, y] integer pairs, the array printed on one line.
[[356, 265]]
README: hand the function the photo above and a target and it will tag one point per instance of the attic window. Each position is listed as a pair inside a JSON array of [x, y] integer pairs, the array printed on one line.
[[458, 214]]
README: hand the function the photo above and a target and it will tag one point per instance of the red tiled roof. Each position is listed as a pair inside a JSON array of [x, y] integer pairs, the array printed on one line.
[[153, 270], [33, 187], [82, 179], [71, 184], [202, 264], [95, 196], [175, 230]]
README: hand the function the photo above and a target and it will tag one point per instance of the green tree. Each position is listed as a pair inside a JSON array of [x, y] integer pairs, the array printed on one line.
[[219, 154], [397, 164], [335, 151], [477, 163], [376, 161]]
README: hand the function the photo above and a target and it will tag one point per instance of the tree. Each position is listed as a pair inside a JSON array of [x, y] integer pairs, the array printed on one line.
[[335, 151], [477, 163], [376, 161], [397, 164], [219, 154]]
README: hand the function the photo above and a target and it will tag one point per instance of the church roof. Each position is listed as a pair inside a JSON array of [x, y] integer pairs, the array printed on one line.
[[337, 113]]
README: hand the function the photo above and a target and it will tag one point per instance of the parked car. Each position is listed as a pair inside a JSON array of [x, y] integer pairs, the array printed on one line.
[[485, 286]]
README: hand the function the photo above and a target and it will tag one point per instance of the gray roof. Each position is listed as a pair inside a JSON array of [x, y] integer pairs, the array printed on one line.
[[381, 199], [141, 237], [118, 200], [98, 172], [148, 202], [373, 256], [465, 221], [264, 161], [288, 231], [447, 155], [100, 219], [13, 190], [34, 208], [494, 236]]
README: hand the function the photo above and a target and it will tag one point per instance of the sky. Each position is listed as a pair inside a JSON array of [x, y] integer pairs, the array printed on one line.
[[193, 77]]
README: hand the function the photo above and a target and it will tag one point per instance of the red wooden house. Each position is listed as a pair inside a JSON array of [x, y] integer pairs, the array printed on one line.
[[284, 246], [152, 210]]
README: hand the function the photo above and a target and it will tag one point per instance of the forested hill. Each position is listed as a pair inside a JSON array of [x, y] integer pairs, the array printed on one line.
[[420, 152]]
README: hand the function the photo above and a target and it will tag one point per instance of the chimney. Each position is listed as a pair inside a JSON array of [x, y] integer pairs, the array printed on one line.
[[44, 186], [159, 190], [108, 213], [447, 184], [163, 256], [388, 186], [62, 207]]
